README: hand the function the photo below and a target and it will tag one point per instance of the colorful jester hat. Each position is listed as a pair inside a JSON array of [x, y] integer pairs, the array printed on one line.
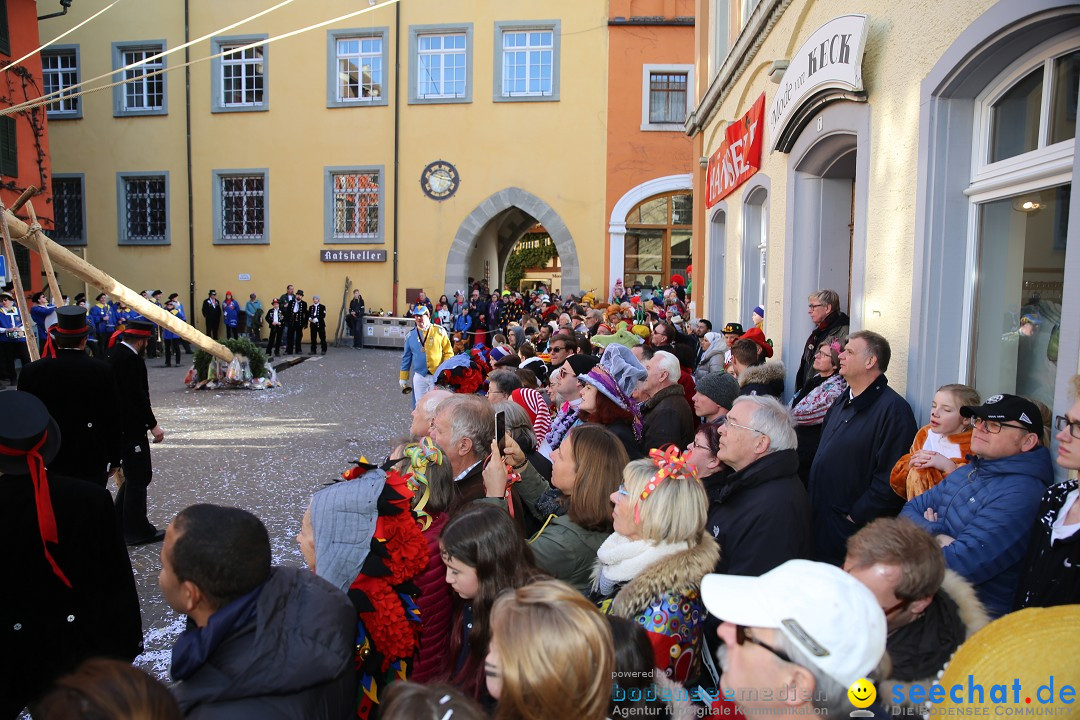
[[422, 455], [670, 463]]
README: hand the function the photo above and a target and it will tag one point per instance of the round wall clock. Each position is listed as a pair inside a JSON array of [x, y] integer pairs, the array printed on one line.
[[439, 180]]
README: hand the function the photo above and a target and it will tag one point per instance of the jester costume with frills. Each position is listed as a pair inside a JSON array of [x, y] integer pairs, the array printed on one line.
[[388, 620]]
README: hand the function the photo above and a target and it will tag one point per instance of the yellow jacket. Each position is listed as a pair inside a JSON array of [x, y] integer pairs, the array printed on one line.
[[430, 355]]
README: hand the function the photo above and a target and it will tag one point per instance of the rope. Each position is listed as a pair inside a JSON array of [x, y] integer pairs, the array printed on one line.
[[66, 92], [59, 37]]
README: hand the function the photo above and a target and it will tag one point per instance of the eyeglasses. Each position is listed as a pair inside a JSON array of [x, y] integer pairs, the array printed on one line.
[[694, 444], [823, 354], [815, 306], [744, 427], [993, 426], [558, 349], [623, 492], [1061, 422], [742, 635], [898, 606]]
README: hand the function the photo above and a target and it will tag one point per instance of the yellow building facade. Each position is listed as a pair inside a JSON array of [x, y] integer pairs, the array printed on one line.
[[406, 147], [917, 158]]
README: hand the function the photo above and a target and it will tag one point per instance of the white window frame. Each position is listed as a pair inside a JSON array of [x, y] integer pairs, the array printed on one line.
[[120, 97], [442, 53], [217, 73], [333, 37], [504, 28], [219, 202], [330, 234], [122, 201], [647, 71], [418, 31], [62, 113], [1045, 167], [748, 8]]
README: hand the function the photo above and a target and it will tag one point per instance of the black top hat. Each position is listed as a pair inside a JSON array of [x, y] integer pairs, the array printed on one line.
[[26, 420], [300, 293], [70, 322], [139, 325]]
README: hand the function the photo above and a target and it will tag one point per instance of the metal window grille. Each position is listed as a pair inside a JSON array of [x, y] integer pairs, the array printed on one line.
[[527, 63], [67, 210], [242, 77], [356, 205], [243, 207], [360, 69], [442, 66], [9, 147], [145, 216], [59, 71], [667, 97], [142, 92]]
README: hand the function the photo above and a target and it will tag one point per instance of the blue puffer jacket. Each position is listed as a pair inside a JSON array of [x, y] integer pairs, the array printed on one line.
[[989, 506]]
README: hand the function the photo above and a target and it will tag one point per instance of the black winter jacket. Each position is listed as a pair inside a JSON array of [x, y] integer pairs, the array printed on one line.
[[292, 659], [760, 515], [1051, 574], [834, 327], [861, 440], [668, 419]]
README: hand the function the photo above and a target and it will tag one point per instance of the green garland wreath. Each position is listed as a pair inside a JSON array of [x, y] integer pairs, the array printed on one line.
[[240, 346]]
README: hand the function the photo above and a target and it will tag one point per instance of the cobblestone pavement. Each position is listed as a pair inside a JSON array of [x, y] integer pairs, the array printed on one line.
[[266, 451]]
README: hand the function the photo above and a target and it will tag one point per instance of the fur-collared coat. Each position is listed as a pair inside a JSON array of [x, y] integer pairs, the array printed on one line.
[[765, 379], [665, 599]]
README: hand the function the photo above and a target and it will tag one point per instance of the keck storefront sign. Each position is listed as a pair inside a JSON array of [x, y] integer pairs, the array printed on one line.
[[738, 157], [829, 60]]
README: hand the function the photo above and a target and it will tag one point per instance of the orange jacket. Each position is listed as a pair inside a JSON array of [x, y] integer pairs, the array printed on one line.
[[908, 482]]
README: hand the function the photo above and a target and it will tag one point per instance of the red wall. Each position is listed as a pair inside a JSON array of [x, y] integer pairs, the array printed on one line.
[[18, 85]]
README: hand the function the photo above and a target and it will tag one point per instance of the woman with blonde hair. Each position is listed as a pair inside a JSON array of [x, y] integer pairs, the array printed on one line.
[[650, 569], [551, 655]]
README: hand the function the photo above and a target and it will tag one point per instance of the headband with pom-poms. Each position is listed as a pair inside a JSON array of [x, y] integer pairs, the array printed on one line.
[[421, 456], [669, 463]]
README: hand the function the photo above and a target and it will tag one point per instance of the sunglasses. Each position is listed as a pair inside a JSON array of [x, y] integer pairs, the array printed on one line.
[[742, 636]]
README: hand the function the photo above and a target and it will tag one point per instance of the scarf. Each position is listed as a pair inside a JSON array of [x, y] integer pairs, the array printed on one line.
[[563, 422], [196, 644], [622, 559]]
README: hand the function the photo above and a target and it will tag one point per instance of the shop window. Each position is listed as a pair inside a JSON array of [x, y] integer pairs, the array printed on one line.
[[59, 73], [239, 80], [1021, 274], [143, 91], [658, 240]]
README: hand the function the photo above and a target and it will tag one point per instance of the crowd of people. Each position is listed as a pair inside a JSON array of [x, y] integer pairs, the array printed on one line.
[[602, 509]]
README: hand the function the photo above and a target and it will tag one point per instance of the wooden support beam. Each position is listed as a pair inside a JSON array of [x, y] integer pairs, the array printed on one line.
[[20, 293], [88, 273], [46, 262]]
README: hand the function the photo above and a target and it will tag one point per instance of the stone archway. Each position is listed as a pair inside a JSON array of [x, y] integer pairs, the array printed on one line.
[[457, 260]]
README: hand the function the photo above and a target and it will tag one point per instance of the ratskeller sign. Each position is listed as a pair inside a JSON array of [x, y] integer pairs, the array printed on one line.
[[830, 59], [352, 255]]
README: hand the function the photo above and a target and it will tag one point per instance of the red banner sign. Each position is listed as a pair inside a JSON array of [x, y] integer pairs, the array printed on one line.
[[738, 158]]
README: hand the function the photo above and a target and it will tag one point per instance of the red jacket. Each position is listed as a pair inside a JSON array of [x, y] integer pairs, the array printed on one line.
[[436, 611]]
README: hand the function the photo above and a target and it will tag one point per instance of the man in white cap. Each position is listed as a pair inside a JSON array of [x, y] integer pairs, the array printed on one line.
[[426, 348], [796, 640]]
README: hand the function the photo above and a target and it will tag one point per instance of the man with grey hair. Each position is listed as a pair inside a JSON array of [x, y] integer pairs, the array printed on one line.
[[665, 412], [796, 639], [423, 415], [464, 427], [829, 324], [758, 510], [501, 383]]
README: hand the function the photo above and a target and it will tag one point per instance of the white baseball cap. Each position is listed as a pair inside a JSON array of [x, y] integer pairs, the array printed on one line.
[[830, 616]]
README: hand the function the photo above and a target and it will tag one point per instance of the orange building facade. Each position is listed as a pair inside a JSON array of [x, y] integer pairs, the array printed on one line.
[[24, 138], [649, 200]]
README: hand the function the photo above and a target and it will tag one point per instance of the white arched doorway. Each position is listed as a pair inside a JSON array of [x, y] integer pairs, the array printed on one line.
[[617, 222]]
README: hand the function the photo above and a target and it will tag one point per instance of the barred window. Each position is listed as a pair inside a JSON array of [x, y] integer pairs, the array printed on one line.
[[242, 77], [67, 198], [243, 207], [60, 71], [527, 63], [667, 97], [143, 91], [359, 69], [355, 205], [145, 217], [442, 66]]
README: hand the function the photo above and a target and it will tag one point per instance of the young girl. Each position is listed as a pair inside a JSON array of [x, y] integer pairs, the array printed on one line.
[[484, 554], [940, 447], [442, 312]]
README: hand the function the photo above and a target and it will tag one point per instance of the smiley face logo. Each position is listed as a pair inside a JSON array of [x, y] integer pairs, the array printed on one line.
[[862, 693]]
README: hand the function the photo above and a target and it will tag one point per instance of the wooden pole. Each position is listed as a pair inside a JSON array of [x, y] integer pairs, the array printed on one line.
[[46, 262], [109, 285], [20, 294]]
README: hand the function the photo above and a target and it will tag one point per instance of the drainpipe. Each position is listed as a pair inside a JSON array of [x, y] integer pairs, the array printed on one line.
[[190, 191], [65, 4], [397, 132]]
